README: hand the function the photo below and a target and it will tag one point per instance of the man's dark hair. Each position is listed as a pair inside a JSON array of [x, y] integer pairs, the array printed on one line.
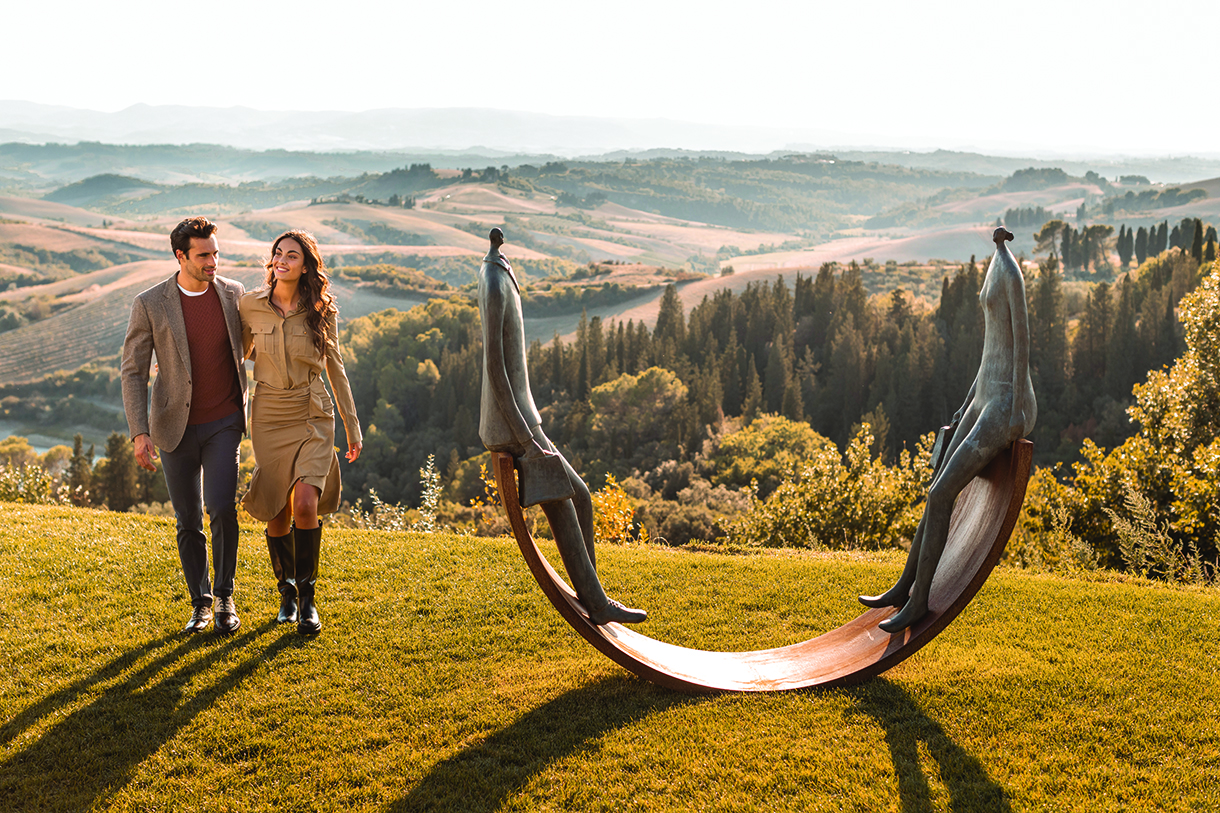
[[180, 237]]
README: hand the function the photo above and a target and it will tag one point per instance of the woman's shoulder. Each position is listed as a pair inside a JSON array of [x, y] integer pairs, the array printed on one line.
[[250, 299]]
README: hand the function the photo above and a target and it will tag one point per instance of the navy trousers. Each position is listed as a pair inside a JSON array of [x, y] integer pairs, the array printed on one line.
[[203, 471]]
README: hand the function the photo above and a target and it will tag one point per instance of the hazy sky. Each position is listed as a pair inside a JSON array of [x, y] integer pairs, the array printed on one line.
[[1063, 77]]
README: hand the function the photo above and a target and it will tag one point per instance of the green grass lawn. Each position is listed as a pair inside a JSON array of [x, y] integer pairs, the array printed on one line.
[[443, 680]]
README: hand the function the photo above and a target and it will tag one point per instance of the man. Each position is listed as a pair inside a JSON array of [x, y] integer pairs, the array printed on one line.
[[198, 409], [509, 422]]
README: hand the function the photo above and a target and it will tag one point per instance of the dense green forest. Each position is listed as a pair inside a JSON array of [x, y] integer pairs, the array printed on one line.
[[654, 407]]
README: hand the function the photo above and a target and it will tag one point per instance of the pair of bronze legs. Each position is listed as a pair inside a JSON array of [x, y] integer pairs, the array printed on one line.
[[571, 524]]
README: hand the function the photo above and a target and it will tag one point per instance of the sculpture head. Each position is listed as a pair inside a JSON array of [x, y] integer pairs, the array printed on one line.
[[1000, 235], [496, 236]]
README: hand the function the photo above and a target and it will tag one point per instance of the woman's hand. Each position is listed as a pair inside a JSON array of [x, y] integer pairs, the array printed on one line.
[[353, 451]]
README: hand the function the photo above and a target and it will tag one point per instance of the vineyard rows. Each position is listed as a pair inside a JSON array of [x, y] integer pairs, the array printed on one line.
[[80, 335]]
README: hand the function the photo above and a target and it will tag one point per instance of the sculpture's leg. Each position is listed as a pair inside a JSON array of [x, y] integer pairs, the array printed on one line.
[[936, 532], [583, 502], [969, 458], [569, 538], [897, 595]]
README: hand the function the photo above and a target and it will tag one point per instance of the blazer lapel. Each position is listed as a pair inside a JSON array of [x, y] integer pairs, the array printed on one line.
[[228, 303], [502, 261], [175, 320]]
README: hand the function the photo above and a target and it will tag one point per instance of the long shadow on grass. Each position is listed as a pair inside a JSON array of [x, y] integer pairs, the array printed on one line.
[[478, 778], [92, 752], [906, 726], [65, 696]]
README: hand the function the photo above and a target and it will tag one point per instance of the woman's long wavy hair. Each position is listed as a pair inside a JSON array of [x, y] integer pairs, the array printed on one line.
[[314, 286]]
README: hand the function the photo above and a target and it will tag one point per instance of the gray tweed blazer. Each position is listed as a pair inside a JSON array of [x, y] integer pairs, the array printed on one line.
[[157, 326]]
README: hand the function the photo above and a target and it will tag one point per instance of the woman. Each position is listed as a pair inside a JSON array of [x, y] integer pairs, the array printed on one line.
[[999, 410], [289, 327]]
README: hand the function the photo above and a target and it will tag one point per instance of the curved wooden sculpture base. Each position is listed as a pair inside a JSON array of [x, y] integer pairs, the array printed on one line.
[[983, 518]]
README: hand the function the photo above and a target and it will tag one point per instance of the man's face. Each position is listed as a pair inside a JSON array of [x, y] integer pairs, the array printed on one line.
[[199, 263]]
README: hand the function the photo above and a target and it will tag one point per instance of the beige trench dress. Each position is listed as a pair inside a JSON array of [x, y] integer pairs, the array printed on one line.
[[292, 417]]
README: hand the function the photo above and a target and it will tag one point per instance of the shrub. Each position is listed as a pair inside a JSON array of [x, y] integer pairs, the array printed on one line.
[[26, 483], [614, 515], [851, 501], [769, 451]]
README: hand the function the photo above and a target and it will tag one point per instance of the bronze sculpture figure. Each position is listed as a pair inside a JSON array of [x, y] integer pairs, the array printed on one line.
[[1000, 409], [509, 422]]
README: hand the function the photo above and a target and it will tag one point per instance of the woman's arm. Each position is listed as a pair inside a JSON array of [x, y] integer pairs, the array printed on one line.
[[342, 388], [247, 335]]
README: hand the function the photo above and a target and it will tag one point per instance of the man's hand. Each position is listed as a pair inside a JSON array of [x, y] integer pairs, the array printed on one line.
[[353, 451], [146, 453]]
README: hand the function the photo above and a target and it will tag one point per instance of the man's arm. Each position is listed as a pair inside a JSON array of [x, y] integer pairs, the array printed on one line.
[[137, 356]]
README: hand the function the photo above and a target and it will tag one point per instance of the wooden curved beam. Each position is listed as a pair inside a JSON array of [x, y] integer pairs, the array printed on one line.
[[983, 518]]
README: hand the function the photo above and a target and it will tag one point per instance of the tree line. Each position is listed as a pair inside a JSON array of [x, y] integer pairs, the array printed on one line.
[[622, 398]]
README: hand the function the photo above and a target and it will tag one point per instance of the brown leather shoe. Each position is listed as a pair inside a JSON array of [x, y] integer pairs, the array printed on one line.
[[200, 618], [226, 615]]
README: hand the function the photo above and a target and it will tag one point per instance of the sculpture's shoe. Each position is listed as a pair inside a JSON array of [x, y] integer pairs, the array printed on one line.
[[896, 596], [613, 611], [911, 612]]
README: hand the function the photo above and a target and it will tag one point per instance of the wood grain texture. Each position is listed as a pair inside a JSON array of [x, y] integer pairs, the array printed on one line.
[[983, 519]]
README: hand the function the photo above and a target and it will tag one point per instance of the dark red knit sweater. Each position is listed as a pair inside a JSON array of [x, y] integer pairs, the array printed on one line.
[[215, 393]]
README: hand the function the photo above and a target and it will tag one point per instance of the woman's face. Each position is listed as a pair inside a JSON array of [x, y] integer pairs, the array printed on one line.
[[288, 260]]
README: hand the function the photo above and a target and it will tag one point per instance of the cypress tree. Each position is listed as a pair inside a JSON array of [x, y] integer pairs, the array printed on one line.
[[595, 354], [793, 407], [754, 394], [730, 375], [643, 351], [775, 381], [620, 349], [1048, 340], [80, 471], [1121, 351], [120, 483], [1141, 245], [670, 321], [1196, 245], [557, 362]]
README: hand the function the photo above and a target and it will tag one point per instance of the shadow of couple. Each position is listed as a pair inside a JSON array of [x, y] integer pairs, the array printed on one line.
[[479, 778], [104, 725]]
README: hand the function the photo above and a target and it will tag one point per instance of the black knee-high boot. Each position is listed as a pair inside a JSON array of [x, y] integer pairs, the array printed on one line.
[[308, 546], [283, 565]]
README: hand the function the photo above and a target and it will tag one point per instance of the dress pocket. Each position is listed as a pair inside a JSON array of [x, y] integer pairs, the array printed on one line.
[[300, 342], [264, 338]]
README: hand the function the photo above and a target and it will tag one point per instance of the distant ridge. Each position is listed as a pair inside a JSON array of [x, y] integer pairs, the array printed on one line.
[[484, 130], [495, 131]]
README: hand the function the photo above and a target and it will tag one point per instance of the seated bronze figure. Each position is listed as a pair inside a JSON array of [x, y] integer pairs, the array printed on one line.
[[509, 422], [999, 409]]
